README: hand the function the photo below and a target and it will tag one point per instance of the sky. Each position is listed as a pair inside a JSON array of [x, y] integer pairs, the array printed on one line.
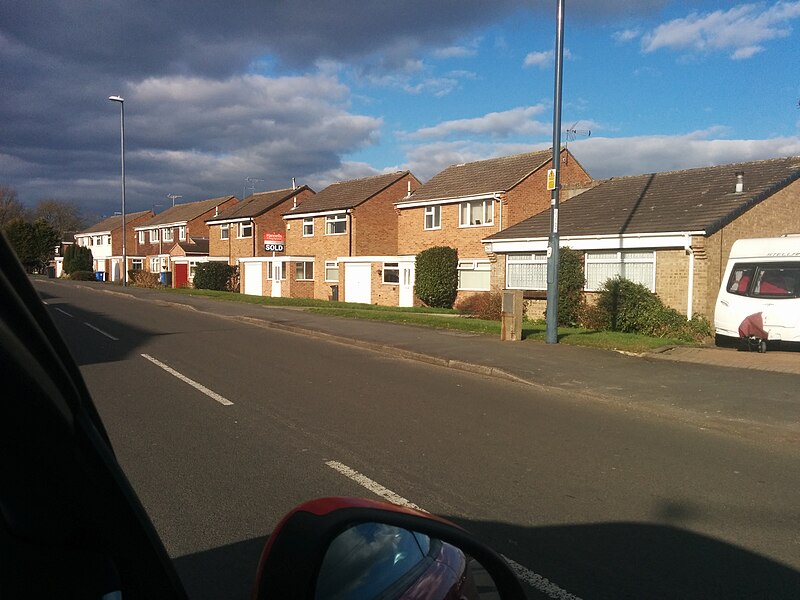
[[241, 96]]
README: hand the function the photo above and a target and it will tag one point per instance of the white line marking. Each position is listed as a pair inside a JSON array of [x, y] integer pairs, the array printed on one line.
[[61, 310], [373, 486], [200, 387], [536, 581], [108, 335]]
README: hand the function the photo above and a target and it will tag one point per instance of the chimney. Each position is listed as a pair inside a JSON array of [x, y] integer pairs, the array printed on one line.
[[739, 182], [409, 187]]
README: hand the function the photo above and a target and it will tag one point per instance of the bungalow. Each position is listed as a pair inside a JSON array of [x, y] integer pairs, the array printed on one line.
[[353, 218], [671, 232], [157, 236], [105, 241], [467, 202]]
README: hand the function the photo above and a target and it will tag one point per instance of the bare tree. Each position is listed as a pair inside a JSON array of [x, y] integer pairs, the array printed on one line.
[[10, 206], [65, 217]]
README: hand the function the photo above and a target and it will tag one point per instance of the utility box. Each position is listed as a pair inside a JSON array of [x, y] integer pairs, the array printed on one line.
[[511, 316]]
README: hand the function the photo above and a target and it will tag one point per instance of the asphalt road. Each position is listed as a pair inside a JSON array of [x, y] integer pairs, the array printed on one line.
[[600, 500]]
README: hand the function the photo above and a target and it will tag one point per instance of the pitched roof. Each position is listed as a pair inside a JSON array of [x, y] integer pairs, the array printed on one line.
[[481, 177], [183, 213], [197, 245], [258, 204], [348, 194], [111, 223], [695, 200]]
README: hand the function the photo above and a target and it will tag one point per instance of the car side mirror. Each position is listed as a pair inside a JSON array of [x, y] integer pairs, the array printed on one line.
[[353, 548]]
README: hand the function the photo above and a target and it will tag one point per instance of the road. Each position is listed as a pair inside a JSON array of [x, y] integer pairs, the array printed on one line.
[[599, 500]]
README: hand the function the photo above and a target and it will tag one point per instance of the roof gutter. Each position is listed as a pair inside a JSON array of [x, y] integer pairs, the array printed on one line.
[[451, 200]]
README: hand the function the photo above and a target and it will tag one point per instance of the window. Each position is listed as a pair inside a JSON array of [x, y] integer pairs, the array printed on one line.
[[308, 227], [636, 266], [141, 236], [474, 275], [740, 279], [391, 273], [246, 229], [477, 212], [304, 270], [776, 281], [331, 270], [336, 224], [90, 242], [182, 233], [155, 265], [153, 235], [526, 271], [136, 264], [167, 234], [224, 231], [433, 217]]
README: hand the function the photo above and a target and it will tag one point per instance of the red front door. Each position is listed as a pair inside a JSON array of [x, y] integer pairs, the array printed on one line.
[[181, 275]]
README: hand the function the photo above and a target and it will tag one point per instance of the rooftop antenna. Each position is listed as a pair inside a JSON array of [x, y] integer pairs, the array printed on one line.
[[249, 184], [173, 198], [571, 134]]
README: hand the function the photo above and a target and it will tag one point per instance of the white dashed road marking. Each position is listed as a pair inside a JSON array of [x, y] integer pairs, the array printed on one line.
[[108, 335], [198, 386]]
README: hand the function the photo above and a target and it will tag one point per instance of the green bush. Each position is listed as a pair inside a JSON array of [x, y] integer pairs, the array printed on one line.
[[77, 258], [214, 276], [83, 276], [486, 305], [571, 281], [437, 276], [632, 308]]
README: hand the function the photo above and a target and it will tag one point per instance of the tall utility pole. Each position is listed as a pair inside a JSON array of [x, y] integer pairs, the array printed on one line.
[[551, 315], [121, 102]]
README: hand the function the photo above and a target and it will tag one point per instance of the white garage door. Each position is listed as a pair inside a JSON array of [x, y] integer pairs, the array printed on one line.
[[357, 283], [252, 279]]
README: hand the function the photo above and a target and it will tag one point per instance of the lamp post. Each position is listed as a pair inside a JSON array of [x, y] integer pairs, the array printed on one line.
[[122, 158]]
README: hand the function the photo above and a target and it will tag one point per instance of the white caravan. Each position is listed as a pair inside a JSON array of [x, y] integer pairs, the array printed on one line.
[[762, 278]]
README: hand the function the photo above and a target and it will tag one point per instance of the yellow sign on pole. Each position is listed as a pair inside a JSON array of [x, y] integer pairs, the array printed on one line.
[[551, 179]]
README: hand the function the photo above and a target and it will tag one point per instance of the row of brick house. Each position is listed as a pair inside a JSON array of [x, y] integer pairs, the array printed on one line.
[[356, 240]]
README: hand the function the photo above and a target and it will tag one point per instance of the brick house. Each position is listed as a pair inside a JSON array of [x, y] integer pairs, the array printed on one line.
[[346, 219], [156, 238], [105, 241], [184, 258], [238, 231], [466, 203], [671, 232]]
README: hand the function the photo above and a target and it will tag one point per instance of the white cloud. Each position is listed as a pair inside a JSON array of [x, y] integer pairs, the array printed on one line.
[[462, 51], [626, 35], [517, 121], [740, 30], [543, 59]]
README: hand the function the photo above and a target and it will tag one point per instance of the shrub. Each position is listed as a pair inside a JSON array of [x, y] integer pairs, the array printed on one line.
[[437, 276], [77, 258], [214, 276], [144, 279], [486, 305], [83, 276], [571, 282]]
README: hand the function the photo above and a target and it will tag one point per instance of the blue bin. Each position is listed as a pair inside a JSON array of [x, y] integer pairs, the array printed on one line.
[[98, 276]]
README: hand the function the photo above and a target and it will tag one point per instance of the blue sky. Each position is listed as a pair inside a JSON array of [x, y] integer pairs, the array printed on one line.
[[325, 91]]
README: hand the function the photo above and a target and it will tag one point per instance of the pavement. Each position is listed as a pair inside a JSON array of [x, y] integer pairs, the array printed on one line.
[[748, 394]]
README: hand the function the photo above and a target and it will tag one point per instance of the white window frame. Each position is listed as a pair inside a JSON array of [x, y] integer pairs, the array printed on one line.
[[534, 263], [308, 227], [225, 231], [476, 213], [182, 233], [141, 236], [391, 267], [331, 265], [244, 226], [332, 221], [137, 264], [301, 267], [155, 264], [475, 266], [168, 234], [595, 258], [153, 236], [433, 217]]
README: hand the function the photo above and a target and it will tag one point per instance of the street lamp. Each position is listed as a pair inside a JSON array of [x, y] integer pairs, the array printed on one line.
[[122, 157]]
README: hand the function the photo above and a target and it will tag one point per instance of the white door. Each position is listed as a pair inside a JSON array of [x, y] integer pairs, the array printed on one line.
[[252, 279], [406, 284], [277, 275], [357, 283]]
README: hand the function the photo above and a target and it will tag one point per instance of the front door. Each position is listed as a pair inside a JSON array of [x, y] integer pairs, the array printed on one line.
[[406, 284], [181, 275], [277, 275]]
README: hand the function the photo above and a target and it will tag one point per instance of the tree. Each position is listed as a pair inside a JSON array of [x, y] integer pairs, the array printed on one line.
[[214, 276], [77, 258], [10, 206], [65, 217], [571, 282], [437, 276], [34, 243]]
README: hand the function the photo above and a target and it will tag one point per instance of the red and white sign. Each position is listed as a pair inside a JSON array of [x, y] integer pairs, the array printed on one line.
[[273, 238]]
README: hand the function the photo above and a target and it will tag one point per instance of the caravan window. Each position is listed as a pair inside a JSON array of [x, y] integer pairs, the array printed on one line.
[[740, 279], [775, 280]]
